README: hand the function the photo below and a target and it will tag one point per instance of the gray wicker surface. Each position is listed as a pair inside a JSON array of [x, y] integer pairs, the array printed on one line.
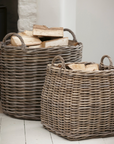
[[78, 104], [23, 72]]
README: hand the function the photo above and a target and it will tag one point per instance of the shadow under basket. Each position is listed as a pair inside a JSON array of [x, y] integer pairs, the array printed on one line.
[[23, 72], [78, 104]]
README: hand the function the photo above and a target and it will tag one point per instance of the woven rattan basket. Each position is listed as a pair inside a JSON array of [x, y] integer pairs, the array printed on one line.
[[23, 72], [78, 104]]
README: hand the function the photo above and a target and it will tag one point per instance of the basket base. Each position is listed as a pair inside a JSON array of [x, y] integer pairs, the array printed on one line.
[[24, 117], [81, 137]]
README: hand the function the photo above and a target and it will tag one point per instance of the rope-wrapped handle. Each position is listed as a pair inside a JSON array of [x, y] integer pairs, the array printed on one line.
[[61, 59], [74, 37], [103, 66], [14, 34]]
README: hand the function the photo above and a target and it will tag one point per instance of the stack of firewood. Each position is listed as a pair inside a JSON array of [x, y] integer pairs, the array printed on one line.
[[88, 67], [81, 66], [41, 36]]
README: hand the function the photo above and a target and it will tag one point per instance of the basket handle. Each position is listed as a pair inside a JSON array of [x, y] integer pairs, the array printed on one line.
[[15, 34], [72, 33], [61, 59], [102, 65]]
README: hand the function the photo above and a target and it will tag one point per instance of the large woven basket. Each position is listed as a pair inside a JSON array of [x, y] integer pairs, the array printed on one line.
[[78, 104], [23, 72]]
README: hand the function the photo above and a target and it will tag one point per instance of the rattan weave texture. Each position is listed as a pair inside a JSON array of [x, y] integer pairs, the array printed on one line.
[[23, 72], [78, 104]]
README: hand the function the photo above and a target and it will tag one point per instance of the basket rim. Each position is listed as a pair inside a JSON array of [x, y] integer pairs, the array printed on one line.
[[75, 72], [10, 48]]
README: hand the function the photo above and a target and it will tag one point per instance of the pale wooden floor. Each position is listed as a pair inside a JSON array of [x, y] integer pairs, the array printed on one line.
[[14, 131]]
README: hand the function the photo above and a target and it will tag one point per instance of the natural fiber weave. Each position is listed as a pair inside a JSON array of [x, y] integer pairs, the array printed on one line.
[[23, 72], [78, 104]]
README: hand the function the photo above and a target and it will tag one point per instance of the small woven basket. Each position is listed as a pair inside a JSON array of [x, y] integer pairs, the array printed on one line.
[[78, 104], [23, 72]]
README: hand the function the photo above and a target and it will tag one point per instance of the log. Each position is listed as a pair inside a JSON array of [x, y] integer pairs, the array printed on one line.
[[74, 66], [92, 67], [28, 40], [39, 30], [36, 46], [28, 33], [55, 42]]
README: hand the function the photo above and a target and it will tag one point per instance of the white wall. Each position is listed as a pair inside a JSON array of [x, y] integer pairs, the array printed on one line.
[[95, 28], [57, 13]]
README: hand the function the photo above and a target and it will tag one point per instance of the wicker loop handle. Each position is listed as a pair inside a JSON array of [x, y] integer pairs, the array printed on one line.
[[15, 34], [74, 37], [61, 59], [101, 63]]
